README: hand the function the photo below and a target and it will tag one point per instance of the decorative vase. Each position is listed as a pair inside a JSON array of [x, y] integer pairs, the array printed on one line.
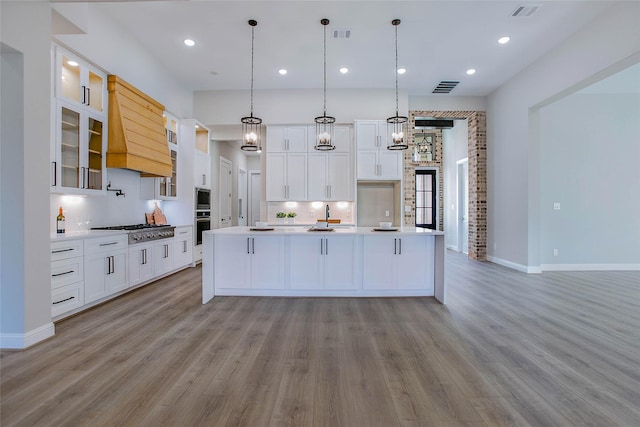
[[291, 220], [281, 220]]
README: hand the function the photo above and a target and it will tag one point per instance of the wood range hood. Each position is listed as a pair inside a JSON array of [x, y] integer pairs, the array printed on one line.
[[137, 136]]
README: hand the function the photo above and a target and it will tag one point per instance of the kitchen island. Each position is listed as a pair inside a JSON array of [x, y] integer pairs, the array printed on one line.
[[343, 262]]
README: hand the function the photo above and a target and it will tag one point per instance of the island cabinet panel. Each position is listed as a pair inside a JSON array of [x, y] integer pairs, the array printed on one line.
[[397, 262], [249, 261], [321, 262]]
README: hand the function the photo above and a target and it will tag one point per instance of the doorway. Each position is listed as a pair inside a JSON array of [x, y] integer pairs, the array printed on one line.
[[225, 193], [255, 183], [462, 179], [426, 198], [242, 196]]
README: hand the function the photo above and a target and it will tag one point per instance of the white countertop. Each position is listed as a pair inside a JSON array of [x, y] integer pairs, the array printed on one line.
[[288, 231], [84, 234]]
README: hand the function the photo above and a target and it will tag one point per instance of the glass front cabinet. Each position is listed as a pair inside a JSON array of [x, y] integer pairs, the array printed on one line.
[[78, 159]]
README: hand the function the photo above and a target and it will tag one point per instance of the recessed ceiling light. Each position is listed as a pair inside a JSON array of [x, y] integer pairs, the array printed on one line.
[[471, 71], [402, 70], [72, 63], [189, 42], [344, 70], [282, 71], [197, 126], [504, 40]]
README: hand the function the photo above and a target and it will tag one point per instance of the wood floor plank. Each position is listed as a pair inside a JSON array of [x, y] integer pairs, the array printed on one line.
[[509, 349]]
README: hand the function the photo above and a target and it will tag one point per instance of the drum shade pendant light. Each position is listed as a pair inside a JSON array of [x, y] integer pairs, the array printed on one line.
[[324, 123], [251, 125], [397, 124]]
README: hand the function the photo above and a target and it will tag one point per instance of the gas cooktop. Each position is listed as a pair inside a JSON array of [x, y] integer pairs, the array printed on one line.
[[131, 227]]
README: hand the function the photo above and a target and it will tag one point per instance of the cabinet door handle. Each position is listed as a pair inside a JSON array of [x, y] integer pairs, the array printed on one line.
[[88, 96], [248, 245], [400, 246], [82, 185], [395, 246], [87, 183], [62, 274], [321, 251], [62, 250], [253, 245], [84, 94], [55, 177], [166, 251], [108, 265], [204, 179], [63, 300], [144, 256], [108, 244], [184, 246], [326, 246]]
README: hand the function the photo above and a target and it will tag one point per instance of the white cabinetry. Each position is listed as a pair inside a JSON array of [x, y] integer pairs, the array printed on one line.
[[286, 163], [329, 173], [78, 149], [397, 262], [67, 276], [140, 263], [322, 262], [183, 246], [163, 256], [374, 161], [105, 266], [250, 261]]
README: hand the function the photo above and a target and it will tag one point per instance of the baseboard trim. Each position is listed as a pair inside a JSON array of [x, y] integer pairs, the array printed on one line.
[[590, 267], [515, 266], [22, 341]]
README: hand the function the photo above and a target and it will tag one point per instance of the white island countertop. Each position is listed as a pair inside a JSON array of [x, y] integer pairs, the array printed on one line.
[[297, 230], [345, 262]]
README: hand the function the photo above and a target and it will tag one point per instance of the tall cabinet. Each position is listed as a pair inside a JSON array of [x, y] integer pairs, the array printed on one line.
[[79, 144], [374, 161]]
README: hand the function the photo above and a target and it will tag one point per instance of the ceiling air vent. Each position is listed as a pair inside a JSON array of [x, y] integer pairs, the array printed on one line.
[[445, 86], [525, 11], [434, 123], [341, 33]]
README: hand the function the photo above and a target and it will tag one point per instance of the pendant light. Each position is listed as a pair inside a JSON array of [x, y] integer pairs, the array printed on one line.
[[324, 123], [397, 124], [251, 126]]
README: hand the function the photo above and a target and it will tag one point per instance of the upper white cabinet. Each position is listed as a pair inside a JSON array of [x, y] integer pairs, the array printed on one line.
[[292, 139], [374, 161], [286, 163], [79, 143], [296, 171], [165, 188], [330, 173], [79, 83]]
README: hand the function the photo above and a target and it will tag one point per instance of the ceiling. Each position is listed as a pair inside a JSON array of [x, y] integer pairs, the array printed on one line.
[[437, 40]]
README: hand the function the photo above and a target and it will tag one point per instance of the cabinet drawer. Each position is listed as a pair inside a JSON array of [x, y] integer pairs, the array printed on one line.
[[67, 298], [104, 244], [182, 233], [66, 271], [64, 250]]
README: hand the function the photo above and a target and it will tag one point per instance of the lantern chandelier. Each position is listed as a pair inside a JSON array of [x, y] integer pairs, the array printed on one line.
[[397, 124], [324, 123], [251, 126]]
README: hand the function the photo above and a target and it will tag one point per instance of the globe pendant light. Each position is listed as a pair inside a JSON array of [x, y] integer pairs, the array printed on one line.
[[397, 124], [251, 126], [324, 123]]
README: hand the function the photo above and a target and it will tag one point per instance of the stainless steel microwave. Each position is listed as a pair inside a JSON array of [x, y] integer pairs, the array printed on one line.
[[203, 199]]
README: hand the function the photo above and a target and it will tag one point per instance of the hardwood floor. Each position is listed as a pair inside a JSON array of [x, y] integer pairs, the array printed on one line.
[[556, 349]]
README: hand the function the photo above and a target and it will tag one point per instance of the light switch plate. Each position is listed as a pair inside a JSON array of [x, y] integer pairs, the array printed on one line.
[[556, 206]]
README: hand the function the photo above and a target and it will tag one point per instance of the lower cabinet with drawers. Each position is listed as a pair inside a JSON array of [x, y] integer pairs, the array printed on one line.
[[88, 270]]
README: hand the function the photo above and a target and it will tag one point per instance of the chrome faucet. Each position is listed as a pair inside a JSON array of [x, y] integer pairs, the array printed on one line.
[[326, 215]]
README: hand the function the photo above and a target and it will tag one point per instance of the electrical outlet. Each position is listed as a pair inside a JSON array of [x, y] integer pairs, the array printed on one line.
[[555, 252], [407, 209], [556, 206], [386, 213]]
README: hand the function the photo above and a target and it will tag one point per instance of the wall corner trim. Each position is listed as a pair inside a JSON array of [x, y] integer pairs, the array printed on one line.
[[23, 341]]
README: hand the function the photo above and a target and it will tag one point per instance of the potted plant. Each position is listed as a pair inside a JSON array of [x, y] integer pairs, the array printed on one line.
[[281, 216], [291, 217]]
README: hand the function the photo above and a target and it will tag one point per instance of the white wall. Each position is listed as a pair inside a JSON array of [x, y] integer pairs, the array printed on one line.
[[25, 27], [448, 103], [297, 106], [455, 146], [592, 171], [513, 148]]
